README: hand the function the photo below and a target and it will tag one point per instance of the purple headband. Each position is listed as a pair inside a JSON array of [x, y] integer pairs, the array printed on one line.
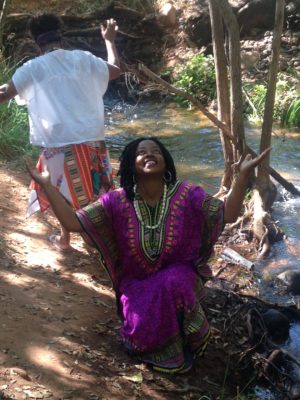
[[48, 37]]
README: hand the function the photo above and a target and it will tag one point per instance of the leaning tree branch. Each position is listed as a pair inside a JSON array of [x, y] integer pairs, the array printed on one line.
[[187, 96], [171, 89]]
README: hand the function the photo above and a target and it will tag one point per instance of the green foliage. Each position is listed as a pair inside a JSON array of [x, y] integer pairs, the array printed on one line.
[[292, 117], [286, 94], [286, 107], [14, 140], [255, 101], [196, 77]]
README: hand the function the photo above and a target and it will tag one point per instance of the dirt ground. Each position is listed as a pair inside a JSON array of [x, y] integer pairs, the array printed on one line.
[[58, 336], [59, 328]]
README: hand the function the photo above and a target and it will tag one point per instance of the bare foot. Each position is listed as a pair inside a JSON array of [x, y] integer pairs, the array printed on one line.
[[59, 244]]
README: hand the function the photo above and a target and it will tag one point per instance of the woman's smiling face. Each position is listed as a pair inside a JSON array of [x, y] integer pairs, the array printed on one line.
[[149, 159]]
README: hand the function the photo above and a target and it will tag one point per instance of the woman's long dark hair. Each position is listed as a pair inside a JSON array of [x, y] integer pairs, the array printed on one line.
[[127, 165]]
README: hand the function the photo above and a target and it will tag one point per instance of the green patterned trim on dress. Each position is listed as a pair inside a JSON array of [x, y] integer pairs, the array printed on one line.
[[152, 240], [212, 227], [178, 345], [189, 345], [106, 242]]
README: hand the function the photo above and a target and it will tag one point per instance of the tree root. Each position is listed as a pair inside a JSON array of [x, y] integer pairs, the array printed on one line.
[[257, 223]]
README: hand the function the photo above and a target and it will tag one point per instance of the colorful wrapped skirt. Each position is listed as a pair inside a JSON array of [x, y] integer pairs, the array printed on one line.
[[80, 172]]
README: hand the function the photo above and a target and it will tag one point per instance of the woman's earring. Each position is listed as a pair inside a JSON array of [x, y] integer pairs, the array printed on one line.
[[167, 177]]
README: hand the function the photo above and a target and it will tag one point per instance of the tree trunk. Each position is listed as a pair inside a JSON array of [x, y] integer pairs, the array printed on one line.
[[4, 8], [266, 135], [222, 84], [265, 191], [237, 123]]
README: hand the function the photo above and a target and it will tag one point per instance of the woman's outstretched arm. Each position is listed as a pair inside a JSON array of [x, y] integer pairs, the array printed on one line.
[[63, 211], [235, 198]]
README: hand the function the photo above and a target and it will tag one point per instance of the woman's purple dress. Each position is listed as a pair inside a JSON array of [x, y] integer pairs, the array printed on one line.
[[158, 273]]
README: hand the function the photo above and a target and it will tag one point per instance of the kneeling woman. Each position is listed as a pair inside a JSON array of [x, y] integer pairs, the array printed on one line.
[[155, 236]]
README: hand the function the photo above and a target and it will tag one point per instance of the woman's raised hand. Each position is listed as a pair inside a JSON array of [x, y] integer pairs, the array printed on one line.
[[109, 31], [236, 195], [43, 178], [248, 163], [63, 211]]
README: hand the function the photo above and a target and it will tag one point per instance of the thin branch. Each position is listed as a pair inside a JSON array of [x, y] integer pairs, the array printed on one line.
[[91, 32], [187, 96]]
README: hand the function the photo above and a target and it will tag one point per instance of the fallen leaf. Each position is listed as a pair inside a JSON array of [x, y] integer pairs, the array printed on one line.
[[138, 378]]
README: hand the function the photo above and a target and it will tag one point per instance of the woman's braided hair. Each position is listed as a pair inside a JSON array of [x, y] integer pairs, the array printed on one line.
[[127, 167]]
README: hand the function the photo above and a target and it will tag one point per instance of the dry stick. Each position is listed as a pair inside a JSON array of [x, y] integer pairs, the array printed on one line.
[[95, 32], [287, 185]]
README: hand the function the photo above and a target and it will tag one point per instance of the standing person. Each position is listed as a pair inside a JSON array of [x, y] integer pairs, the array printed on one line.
[[155, 235], [63, 91]]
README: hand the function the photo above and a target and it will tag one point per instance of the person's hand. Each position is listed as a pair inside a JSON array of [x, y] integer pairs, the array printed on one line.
[[246, 165], [43, 179], [109, 30]]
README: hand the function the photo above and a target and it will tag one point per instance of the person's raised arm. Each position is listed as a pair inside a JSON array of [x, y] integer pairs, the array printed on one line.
[[7, 92], [63, 211], [235, 198], [109, 32]]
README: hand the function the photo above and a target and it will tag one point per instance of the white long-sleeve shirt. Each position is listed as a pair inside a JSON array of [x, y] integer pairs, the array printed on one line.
[[63, 91]]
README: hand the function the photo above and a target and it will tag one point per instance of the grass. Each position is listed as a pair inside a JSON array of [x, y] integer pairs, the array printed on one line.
[[14, 128]]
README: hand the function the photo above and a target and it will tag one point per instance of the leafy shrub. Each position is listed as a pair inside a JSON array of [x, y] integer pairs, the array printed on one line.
[[255, 100], [287, 92], [286, 107], [196, 77], [14, 139], [292, 117]]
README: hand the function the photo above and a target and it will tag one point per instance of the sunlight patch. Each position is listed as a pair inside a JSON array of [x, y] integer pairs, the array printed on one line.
[[16, 280], [86, 281]]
